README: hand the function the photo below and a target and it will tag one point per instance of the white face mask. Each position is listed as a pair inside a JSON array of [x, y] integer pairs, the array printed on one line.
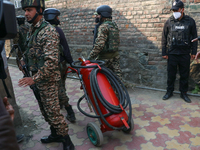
[[177, 14]]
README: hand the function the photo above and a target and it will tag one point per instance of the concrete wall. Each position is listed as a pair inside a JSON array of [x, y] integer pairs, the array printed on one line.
[[140, 23]]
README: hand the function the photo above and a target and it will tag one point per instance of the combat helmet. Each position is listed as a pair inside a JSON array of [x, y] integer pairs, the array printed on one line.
[[33, 3], [50, 15], [20, 20], [105, 11]]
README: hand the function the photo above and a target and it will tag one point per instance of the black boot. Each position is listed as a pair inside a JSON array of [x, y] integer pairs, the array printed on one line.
[[185, 97], [67, 144], [70, 114], [167, 95], [53, 137]]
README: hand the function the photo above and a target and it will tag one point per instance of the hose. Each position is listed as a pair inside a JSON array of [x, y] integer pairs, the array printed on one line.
[[89, 115], [118, 87]]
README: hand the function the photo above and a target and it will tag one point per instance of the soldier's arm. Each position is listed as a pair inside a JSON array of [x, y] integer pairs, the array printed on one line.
[[50, 43], [100, 41], [194, 35], [63, 42], [164, 38]]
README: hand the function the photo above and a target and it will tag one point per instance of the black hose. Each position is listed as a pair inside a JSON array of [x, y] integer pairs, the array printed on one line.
[[99, 62], [89, 115], [118, 87]]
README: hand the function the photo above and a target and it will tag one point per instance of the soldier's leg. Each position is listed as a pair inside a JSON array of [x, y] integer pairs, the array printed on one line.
[[171, 72], [63, 98], [184, 70], [114, 65], [59, 128], [50, 103]]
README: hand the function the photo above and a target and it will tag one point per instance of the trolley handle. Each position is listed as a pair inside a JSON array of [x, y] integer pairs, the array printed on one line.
[[95, 64], [72, 70]]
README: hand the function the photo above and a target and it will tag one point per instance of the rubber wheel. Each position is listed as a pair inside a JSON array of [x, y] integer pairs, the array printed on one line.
[[131, 124], [94, 133]]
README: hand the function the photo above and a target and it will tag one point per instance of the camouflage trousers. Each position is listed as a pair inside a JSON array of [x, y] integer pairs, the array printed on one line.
[[62, 95], [50, 108], [114, 65]]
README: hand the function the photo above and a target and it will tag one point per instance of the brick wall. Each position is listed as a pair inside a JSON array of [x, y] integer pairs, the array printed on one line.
[[140, 23]]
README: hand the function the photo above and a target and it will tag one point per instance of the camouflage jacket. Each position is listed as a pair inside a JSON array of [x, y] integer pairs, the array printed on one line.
[[42, 52], [100, 42]]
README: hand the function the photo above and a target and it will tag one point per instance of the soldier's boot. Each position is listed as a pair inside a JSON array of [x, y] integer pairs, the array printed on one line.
[[67, 144], [70, 114], [53, 137]]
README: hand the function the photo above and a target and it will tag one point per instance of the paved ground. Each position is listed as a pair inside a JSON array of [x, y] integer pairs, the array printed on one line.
[[159, 125]]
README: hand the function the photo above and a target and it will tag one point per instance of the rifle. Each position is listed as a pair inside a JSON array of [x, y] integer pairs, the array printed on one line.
[[25, 70]]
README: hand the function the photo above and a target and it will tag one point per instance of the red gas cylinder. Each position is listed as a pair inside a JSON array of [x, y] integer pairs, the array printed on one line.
[[116, 120]]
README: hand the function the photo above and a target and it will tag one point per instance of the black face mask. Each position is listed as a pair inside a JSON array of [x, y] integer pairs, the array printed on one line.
[[97, 20], [54, 22]]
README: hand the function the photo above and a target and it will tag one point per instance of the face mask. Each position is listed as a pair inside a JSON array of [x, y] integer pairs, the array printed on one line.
[[177, 14], [54, 22], [97, 20]]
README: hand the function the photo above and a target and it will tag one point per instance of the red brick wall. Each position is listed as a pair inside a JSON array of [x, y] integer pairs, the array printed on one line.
[[140, 22]]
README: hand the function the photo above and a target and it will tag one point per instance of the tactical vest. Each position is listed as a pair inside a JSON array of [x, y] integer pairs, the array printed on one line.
[[23, 29], [34, 53], [112, 43], [180, 33]]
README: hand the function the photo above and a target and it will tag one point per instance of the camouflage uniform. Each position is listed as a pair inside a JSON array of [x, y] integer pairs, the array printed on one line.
[[20, 39], [63, 98], [42, 57], [51, 15], [99, 51]]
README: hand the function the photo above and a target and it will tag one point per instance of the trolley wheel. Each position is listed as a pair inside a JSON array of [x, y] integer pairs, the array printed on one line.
[[131, 124], [94, 133]]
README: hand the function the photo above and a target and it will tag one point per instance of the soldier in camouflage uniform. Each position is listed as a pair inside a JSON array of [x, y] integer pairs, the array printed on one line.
[[106, 40], [20, 39], [51, 15], [42, 55]]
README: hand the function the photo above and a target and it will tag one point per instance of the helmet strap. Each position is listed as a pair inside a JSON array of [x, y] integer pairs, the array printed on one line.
[[32, 20], [38, 10]]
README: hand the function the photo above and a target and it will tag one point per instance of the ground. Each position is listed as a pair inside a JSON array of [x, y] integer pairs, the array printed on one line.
[[159, 125]]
